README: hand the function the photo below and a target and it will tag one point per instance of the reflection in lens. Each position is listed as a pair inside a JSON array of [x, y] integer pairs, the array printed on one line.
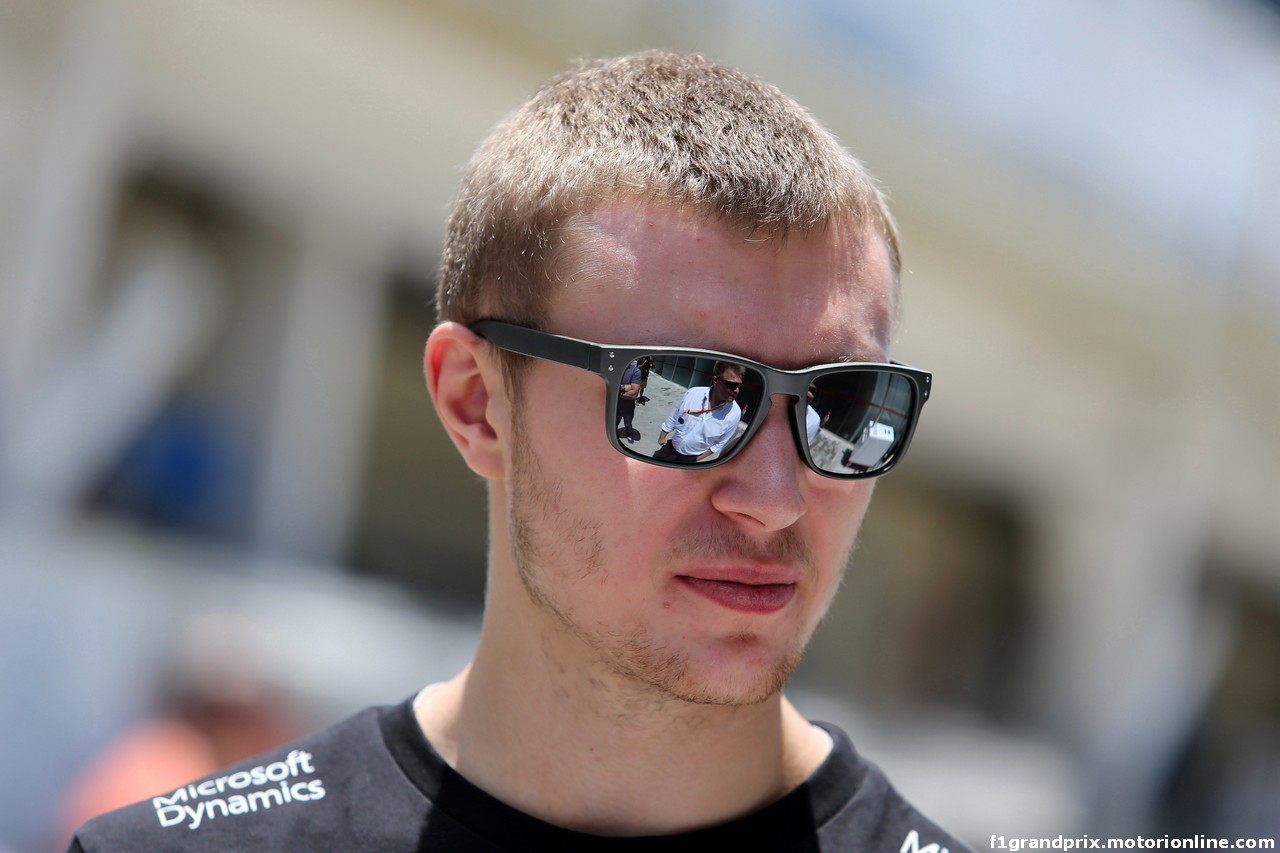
[[862, 418], [698, 407], [694, 410]]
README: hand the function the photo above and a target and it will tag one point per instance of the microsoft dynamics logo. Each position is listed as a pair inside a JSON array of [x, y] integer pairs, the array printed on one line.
[[259, 788]]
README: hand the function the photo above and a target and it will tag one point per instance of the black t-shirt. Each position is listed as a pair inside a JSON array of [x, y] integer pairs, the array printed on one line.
[[374, 782]]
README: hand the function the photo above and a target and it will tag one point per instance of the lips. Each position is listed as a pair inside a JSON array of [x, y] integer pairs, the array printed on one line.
[[741, 595]]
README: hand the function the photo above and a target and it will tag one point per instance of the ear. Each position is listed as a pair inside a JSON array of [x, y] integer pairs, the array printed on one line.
[[465, 383]]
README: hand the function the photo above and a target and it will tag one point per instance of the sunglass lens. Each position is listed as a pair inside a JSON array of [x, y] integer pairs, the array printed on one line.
[[678, 399], [857, 421]]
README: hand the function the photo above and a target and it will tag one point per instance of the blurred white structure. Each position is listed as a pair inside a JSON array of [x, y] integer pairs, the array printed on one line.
[[233, 209]]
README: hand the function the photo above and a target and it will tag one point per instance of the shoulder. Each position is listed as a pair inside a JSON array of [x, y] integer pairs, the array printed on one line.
[[729, 414], [299, 796], [860, 809]]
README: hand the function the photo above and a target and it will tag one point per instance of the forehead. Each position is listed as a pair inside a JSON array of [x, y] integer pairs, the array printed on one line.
[[648, 274]]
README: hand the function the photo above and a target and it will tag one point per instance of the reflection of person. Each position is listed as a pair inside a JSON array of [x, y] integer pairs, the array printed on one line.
[[705, 418], [623, 685], [645, 364], [628, 393], [812, 420]]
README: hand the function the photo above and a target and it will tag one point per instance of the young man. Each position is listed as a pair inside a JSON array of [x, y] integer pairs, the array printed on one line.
[[627, 691]]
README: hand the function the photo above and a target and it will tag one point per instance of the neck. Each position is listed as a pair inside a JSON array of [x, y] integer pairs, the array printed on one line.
[[535, 722]]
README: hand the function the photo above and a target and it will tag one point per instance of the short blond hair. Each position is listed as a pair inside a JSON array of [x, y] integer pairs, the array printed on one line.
[[656, 127]]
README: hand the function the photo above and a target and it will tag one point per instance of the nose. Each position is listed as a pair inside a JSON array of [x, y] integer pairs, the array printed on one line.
[[761, 488]]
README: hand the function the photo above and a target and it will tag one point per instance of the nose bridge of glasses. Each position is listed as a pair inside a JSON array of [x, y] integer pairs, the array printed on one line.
[[788, 390], [768, 414], [786, 384], [783, 408]]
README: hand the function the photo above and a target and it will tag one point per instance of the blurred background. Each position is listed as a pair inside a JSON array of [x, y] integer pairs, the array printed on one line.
[[228, 515]]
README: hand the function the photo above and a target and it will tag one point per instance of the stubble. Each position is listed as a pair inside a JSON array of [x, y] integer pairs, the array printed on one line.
[[553, 547]]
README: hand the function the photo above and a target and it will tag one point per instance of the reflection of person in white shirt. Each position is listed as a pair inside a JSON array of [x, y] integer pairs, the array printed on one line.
[[705, 419], [812, 420]]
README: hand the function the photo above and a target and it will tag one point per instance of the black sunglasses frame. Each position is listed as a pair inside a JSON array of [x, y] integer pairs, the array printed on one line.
[[608, 361]]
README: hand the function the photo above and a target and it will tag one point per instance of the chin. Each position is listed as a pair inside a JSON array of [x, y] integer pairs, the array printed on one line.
[[728, 677], [746, 689]]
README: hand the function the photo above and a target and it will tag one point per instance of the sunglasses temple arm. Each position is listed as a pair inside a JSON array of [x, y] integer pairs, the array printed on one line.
[[557, 348], [570, 351]]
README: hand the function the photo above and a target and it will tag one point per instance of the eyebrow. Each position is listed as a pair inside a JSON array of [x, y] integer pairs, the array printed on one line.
[[877, 358], [857, 353], [843, 358], [853, 346]]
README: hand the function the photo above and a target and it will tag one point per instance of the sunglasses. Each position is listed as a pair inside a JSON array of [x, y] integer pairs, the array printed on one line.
[[850, 420]]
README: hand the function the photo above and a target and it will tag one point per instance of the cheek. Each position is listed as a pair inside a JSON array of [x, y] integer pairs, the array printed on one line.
[[846, 505], [562, 412], [586, 482]]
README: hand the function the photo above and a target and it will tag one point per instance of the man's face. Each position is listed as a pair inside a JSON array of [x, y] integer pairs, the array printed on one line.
[[702, 586], [725, 387]]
